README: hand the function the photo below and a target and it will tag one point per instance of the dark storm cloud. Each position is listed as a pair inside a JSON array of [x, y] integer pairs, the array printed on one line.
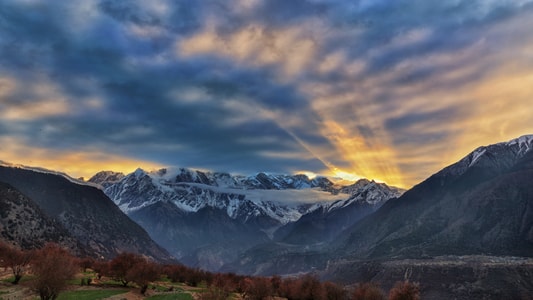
[[183, 16], [409, 128], [113, 71], [128, 11], [140, 119]]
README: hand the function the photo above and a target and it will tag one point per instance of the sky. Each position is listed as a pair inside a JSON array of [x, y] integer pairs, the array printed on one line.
[[386, 90]]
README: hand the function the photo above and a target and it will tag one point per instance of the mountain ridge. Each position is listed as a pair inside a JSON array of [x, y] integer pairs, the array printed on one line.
[[482, 204], [253, 208], [86, 213], [23, 223]]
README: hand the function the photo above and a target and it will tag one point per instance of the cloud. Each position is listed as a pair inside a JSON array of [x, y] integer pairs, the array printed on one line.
[[79, 163], [386, 90], [291, 49]]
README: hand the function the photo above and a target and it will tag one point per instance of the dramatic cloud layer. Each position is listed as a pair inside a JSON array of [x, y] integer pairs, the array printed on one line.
[[390, 90]]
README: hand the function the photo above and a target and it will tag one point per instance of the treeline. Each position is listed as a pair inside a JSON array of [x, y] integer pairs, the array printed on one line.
[[52, 266]]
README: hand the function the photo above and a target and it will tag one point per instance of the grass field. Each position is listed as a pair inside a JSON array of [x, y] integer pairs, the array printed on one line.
[[78, 289], [179, 296]]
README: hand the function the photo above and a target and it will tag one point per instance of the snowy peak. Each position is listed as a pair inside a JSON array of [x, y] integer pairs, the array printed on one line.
[[106, 178], [283, 198], [493, 158], [267, 181], [524, 144], [195, 213], [183, 175], [261, 181], [191, 191], [366, 192], [515, 148]]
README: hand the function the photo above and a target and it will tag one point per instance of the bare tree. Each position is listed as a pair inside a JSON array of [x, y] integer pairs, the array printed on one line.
[[368, 291], [101, 268], [86, 263], [52, 267], [121, 264], [16, 259], [214, 293], [144, 272], [257, 288], [334, 291], [405, 291]]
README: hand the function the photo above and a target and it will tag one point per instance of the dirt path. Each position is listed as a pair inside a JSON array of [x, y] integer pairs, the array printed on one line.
[[15, 292]]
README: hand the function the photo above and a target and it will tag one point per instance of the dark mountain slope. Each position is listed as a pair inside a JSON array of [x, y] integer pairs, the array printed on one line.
[[483, 204], [328, 221], [24, 224], [208, 219], [85, 212], [206, 238], [464, 233], [299, 246]]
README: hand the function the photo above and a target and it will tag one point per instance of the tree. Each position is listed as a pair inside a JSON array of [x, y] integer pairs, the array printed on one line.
[[86, 263], [15, 259], [311, 288], [3, 249], [214, 293], [334, 291], [368, 291], [289, 288], [52, 267], [276, 282], [307, 287], [405, 291], [121, 264], [257, 288], [101, 268], [142, 273]]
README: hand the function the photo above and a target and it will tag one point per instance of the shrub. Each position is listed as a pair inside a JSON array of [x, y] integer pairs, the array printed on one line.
[[142, 273], [307, 287], [86, 263], [257, 288], [214, 293], [101, 268], [405, 291], [368, 291], [334, 291], [52, 267], [121, 264], [15, 259]]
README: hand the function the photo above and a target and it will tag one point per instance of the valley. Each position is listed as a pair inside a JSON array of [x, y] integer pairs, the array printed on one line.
[[465, 232]]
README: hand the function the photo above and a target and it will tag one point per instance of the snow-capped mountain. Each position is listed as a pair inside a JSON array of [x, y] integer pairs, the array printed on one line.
[[107, 178], [252, 207], [284, 198], [480, 205], [493, 158], [242, 197], [365, 191]]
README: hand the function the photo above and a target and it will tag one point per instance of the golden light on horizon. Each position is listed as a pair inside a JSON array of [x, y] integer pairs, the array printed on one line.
[[74, 164], [345, 175], [367, 159]]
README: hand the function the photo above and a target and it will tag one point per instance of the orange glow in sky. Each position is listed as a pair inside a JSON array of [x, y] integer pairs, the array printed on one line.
[[284, 87]]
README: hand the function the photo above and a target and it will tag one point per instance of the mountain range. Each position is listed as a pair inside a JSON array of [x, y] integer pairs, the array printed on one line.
[[208, 219], [41, 206], [465, 232]]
